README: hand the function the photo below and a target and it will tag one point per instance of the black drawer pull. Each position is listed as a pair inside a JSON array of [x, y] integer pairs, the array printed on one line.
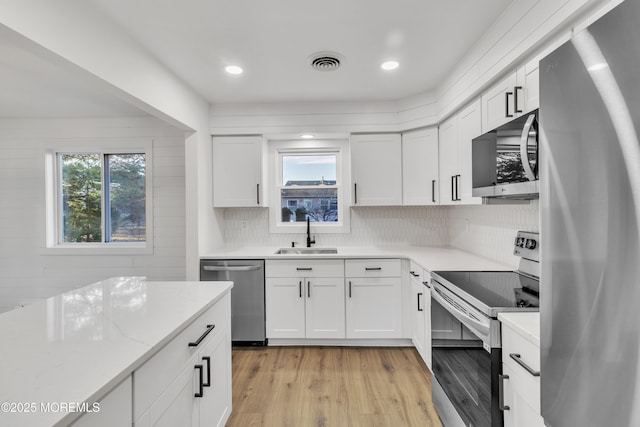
[[203, 336], [414, 274], [200, 393], [208, 360], [304, 268], [518, 360], [427, 285], [373, 268]]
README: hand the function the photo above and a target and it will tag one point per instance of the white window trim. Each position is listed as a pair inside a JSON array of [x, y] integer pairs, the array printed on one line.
[[53, 246], [340, 147]]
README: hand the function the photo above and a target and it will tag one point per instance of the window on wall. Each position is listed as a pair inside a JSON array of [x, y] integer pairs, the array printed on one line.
[[99, 200], [309, 185]]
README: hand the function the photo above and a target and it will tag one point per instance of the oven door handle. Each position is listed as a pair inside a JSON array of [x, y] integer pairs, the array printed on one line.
[[460, 315]]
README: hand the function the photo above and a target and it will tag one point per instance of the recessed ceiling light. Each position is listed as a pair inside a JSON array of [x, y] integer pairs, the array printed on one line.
[[390, 65], [307, 136], [233, 69]]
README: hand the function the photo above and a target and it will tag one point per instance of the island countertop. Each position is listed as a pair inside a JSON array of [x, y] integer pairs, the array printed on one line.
[[75, 347]]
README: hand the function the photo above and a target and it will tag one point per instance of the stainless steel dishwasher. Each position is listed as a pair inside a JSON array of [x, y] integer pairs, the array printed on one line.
[[247, 296]]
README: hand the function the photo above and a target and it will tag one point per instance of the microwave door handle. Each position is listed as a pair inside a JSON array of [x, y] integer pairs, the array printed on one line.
[[524, 154]]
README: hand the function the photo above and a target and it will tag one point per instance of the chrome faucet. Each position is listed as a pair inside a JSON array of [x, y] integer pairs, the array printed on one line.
[[309, 240]]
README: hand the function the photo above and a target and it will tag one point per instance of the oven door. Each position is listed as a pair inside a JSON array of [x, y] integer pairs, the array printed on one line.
[[466, 370]]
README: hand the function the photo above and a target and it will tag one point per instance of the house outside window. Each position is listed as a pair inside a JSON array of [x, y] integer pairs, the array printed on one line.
[[309, 180], [99, 199]]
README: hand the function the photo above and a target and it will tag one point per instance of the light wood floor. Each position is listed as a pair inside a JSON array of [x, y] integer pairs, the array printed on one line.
[[330, 386]]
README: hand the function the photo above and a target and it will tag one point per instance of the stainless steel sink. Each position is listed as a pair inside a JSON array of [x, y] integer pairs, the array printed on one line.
[[306, 251]]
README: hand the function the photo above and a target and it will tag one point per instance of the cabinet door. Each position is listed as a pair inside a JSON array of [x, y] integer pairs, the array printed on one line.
[[520, 412], [115, 408], [284, 307], [498, 104], [237, 171], [324, 308], [426, 282], [528, 77], [448, 155], [376, 170], [374, 307], [469, 127], [419, 298], [420, 167], [214, 407], [176, 405]]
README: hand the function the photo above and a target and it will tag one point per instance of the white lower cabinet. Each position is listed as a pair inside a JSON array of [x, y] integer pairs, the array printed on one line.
[[115, 409], [374, 298], [306, 306], [188, 382], [418, 333], [521, 385]]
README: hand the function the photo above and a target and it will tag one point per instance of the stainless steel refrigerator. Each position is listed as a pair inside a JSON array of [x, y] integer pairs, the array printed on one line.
[[590, 216]]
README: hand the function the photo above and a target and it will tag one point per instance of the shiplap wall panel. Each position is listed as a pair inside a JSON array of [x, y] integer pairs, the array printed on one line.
[[28, 272]]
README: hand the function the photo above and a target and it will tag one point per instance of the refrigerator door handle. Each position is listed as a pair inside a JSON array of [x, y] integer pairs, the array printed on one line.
[[524, 155]]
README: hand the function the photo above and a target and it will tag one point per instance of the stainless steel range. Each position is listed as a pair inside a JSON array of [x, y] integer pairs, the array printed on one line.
[[466, 344]]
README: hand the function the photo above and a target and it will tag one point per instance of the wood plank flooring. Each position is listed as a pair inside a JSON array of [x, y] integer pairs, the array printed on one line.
[[331, 386]]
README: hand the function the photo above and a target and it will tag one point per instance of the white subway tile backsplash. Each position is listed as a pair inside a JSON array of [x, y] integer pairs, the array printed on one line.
[[486, 230]]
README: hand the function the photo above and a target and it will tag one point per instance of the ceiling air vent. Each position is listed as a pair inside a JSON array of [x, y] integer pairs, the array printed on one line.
[[325, 61]]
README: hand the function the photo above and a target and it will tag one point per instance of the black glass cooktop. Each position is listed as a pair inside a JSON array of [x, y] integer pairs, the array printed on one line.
[[495, 289]]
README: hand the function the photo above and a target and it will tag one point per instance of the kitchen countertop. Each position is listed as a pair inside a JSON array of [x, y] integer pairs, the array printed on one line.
[[525, 324], [77, 346], [428, 257]]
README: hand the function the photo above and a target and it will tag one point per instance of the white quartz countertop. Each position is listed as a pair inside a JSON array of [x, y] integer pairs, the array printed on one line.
[[526, 324], [75, 347], [428, 257]]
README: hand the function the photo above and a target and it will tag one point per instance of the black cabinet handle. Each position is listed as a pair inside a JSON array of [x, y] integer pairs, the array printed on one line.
[[373, 268], [258, 193], [208, 360], [419, 294], [515, 99], [527, 368], [458, 199], [203, 336], [433, 190], [304, 268], [414, 274], [200, 382], [355, 193], [427, 285], [300, 288], [308, 288], [506, 104], [349, 288]]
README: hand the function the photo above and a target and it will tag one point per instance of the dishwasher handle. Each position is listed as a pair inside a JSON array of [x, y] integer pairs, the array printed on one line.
[[231, 267]]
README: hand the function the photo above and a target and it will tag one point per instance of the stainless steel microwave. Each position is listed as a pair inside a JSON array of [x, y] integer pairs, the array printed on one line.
[[505, 160]]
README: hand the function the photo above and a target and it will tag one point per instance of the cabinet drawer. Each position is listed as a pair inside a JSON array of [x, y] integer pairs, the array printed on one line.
[[304, 268], [527, 384], [373, 268], [157, 373], [415, 272]]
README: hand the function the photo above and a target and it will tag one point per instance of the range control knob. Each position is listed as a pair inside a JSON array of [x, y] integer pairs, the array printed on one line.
[[530, 244]]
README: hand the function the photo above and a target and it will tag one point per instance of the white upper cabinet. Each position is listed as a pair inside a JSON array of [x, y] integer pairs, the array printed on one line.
[[238, 172], [376, 170], [455, 137], [511, 97], [420, 167], [469, 127]]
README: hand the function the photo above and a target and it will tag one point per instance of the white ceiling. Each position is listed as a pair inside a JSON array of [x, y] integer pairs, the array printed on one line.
[[271, 40]]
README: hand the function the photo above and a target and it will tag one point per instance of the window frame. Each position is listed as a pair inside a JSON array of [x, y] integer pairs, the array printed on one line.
[[337, 147], [54, 217]]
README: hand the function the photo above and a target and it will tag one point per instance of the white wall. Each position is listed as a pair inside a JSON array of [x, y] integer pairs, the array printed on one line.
[[29, 272]]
